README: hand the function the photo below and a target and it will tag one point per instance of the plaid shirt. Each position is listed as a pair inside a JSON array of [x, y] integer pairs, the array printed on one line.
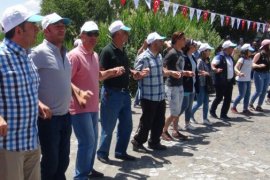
[[18, 98], [152, 86]]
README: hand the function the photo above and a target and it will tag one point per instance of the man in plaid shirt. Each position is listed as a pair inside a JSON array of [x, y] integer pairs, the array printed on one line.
[[19, 149]]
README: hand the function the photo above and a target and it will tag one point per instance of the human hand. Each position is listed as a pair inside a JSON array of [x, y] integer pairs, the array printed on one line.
[[44, 111], [3, 127]]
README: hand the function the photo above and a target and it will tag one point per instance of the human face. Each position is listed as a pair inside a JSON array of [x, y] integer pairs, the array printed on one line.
[[90, 38], [158, 44], [124, 36], [207, 53], [56, 32], [28, 34], [181, 41]]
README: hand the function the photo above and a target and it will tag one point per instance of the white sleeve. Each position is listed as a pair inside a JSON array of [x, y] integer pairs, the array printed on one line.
[[215, 60], [241, 60]]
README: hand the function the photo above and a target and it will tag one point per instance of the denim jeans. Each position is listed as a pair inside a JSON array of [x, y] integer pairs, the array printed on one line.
[[85, 126], [187, 105], [202, 99], [115, 104], [244, 92], [54, 135], [261, 81]]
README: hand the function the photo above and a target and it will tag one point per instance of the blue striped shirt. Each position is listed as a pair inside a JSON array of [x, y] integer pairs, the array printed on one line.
[[152, 86], [18, 98]]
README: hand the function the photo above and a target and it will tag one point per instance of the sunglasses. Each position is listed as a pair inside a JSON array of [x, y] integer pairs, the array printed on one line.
[[92, 33]]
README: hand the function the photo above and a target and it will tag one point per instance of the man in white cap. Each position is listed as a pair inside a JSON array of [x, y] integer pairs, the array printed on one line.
[[55, 92], [223, 67], [19, 149], [115, 96], [152, 95], [85, 75]]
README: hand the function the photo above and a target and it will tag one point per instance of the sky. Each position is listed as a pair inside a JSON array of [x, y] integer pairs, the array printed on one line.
[[32, 5]]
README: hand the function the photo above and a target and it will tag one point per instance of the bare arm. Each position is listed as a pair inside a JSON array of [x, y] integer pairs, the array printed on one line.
[[111, 73], [3, 127], [255, 60]]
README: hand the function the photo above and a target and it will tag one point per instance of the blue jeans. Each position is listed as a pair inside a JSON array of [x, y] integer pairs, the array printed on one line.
[[202, 99], [244, 92], [187, 105], [115, 104], [261, 81], [85, 126], [54, 135]]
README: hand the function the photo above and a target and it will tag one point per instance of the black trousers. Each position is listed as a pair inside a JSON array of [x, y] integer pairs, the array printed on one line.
[[152, 119], [223, 91]]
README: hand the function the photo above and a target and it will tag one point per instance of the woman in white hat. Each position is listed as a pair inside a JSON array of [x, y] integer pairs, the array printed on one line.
[[261, 66], [243, 69]]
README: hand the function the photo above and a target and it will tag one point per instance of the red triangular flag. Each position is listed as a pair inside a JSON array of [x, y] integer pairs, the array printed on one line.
[[227, 20], [205, 16], [156, 5], [184, 11], [254, 26], [123, 2], [243, 24]]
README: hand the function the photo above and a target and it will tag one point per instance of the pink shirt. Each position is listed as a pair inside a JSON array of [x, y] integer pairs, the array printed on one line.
[[85, 75]]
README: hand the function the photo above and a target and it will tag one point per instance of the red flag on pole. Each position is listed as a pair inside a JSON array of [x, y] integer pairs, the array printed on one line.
[[254, 26], [156, 5], [123, 2], [205, 16], [184, 11]]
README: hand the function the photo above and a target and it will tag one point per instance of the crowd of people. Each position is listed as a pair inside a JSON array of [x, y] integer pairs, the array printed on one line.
[[47, 91]]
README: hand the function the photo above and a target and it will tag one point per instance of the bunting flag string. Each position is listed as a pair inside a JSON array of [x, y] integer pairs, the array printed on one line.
[[251, 25]]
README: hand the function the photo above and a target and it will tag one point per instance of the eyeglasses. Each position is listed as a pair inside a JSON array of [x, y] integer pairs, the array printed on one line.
[[92, 33]]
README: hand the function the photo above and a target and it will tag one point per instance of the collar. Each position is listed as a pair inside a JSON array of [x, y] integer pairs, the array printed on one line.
[[84, 51], [53, 47], [14, 47], [151, 53]]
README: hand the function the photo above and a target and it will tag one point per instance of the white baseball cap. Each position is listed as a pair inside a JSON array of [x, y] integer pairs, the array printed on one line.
[[53, 18], [247, 47], [118, 25], [89, 26], [15, 15], [154, 36], [265, 42], [205, 46], [228, 44]]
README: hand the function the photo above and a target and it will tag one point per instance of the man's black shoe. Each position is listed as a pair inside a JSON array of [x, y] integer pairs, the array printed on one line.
[[104, 160], [224, 117], [213, 114], [138, 147], [125, 157], [157, 146], [95, 174]]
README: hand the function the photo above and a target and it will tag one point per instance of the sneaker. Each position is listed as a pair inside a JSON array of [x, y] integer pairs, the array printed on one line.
[[234, 110], [247, 112], [207, 122], [224, 117], [178, 135], [267, 101], [193, 120], [213, 114], [166, 136], [95, 174], [138, 147], [251, 107], [104, 160], [158, 146], [189, 127], [259, 109], [125, 157]]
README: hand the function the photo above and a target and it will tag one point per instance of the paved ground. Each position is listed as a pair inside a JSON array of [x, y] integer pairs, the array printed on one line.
[[237, 149]]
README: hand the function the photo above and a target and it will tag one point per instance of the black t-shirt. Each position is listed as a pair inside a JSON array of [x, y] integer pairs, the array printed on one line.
[[174, 61], [111, 57]]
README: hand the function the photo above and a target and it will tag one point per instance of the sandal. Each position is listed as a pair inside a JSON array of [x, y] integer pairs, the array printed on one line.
[[178, 135], [166, 136]]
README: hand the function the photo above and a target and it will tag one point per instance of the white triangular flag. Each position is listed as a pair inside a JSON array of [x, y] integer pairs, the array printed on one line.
[[110, 1], [232, 21], [198, 11], [248, 24], [191, 13], [213, 15], [175, 8], [166, 6], [148, 3], [258, 26], [221, 19], [238, 22], [136, 3], [264, 25]]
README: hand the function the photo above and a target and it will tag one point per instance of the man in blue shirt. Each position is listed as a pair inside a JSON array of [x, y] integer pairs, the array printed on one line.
[[19, 149]]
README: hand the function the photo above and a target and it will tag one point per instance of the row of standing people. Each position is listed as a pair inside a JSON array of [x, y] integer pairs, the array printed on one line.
[[58, 84]]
